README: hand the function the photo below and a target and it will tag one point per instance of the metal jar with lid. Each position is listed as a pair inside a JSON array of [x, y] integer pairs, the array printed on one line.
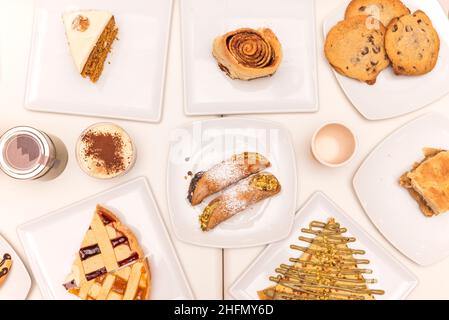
[[29, 154]]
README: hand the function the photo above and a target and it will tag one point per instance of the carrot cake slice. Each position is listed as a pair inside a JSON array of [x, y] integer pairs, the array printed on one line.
[[90, 35]]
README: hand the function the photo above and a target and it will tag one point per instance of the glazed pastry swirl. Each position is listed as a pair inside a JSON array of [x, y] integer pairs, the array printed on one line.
[[250, 49], [248, 53]]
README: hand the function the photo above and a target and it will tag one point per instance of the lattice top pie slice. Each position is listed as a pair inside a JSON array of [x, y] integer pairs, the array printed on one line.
[[129, 283], [110, 263]]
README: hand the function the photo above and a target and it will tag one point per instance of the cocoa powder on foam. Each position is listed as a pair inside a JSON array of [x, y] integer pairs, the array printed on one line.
[[106, 149]]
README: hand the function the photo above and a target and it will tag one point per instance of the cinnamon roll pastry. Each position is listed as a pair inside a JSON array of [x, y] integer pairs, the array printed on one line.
[[248, 53], [239, 197], [224, 174]]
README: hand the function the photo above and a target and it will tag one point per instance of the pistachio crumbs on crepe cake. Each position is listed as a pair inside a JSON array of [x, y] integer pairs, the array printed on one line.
[[326, 270], [90, 35]]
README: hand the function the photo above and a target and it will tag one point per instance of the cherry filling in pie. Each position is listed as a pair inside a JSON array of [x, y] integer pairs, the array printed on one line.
[[110, 259]]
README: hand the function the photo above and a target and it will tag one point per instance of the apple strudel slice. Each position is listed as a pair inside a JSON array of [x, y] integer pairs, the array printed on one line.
[[428, 182]]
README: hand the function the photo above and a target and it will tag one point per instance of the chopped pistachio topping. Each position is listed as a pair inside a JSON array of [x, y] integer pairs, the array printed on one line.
[[265, 182], [205, 216]]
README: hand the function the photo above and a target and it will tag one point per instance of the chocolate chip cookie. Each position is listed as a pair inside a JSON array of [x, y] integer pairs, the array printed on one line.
[[355, 48], [412, 44], [382, 10]]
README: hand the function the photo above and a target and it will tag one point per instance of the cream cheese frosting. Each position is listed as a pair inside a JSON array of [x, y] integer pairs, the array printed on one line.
[[83, 29]]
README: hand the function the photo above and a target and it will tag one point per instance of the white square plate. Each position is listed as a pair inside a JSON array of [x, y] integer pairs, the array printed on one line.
[[201, 145], [393, 277], [393, 95], [17, 285], [51, 242], [390, 207], [131, 86], [208, 90]]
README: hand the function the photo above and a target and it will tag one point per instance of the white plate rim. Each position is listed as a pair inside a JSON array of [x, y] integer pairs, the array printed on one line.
[[274, 124], [156, 119], [7, 245], [142, 179], [346, 91], [312, 109], [355, 183], [318, 194]]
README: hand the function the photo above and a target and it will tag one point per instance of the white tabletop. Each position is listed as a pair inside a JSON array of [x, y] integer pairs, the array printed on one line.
[[20, 202]]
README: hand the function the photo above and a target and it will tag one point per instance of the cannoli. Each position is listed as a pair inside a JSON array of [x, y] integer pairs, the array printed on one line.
[[237, 198], [224, 174]]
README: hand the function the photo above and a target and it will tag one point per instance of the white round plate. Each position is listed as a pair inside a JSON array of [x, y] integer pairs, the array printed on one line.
[[18, 283]]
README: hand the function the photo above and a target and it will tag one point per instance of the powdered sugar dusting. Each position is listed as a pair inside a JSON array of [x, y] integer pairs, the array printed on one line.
[[232, 170], [241, 196], [234, 198]]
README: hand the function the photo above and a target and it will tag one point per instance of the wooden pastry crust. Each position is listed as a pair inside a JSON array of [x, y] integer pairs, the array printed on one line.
[[224, 174], [239, 197], [412, 44], [355, 48], [382, 10], [247, 54]]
